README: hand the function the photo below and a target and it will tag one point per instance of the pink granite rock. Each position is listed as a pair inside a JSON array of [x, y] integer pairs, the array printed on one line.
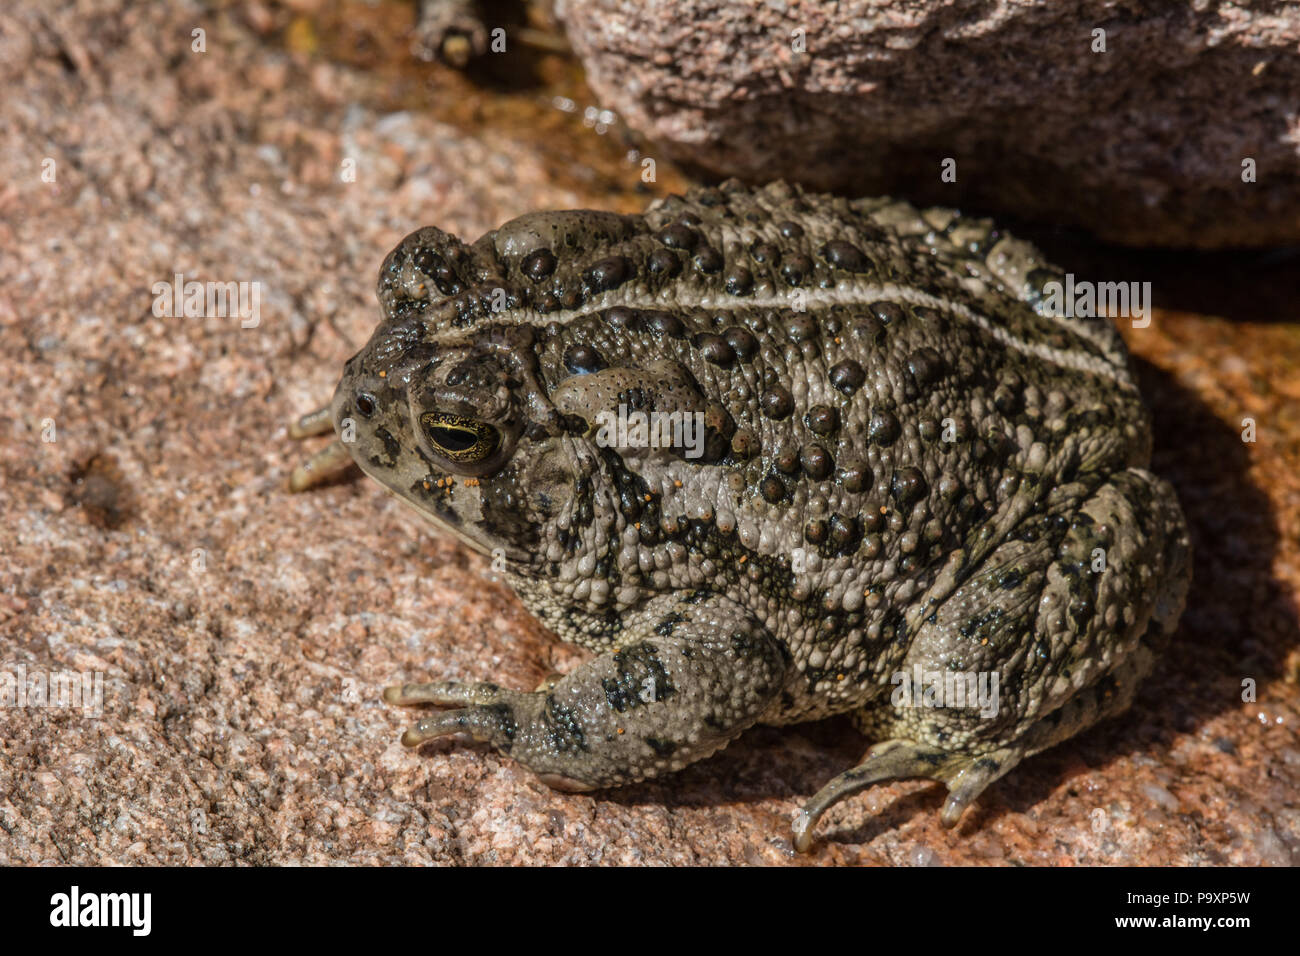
[[1142, 144]]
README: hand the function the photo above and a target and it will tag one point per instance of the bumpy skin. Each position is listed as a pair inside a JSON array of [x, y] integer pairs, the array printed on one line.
[[905, 464]]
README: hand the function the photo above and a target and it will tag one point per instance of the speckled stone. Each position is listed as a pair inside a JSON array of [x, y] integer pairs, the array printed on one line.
[[1012, 91]]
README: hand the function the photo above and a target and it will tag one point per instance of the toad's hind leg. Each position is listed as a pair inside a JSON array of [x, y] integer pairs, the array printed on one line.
[[968, 774], [965, 775], [1068, 640]]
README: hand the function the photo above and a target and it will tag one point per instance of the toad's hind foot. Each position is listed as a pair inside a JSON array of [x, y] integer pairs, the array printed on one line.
[[966, 776]]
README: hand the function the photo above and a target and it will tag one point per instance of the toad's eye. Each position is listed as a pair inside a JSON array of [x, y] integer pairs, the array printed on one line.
[[462, 440]]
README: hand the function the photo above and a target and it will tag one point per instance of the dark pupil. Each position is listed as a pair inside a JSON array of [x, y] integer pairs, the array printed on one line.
[[453, 439]]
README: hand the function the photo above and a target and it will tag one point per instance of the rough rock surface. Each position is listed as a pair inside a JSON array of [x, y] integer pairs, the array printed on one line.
[[243, 634], [1141, 144]]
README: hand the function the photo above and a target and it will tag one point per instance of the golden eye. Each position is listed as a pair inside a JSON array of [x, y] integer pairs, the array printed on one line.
[[462, 440]]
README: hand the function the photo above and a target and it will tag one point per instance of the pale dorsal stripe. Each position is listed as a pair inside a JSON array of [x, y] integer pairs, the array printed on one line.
[[847, 293]]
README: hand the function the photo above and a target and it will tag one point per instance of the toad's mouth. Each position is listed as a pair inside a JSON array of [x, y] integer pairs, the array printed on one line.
[[335, 460], [448, 523], [449, 504]]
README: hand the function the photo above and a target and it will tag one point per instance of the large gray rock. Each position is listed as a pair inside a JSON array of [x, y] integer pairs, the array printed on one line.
[[1142, 144]]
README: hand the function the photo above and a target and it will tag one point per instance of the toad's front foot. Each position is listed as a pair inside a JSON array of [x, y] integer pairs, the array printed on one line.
[[486, 712], [691, 678], [329, 462]]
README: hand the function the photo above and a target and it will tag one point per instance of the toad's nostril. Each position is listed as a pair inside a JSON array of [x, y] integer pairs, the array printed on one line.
[[365, 404]]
